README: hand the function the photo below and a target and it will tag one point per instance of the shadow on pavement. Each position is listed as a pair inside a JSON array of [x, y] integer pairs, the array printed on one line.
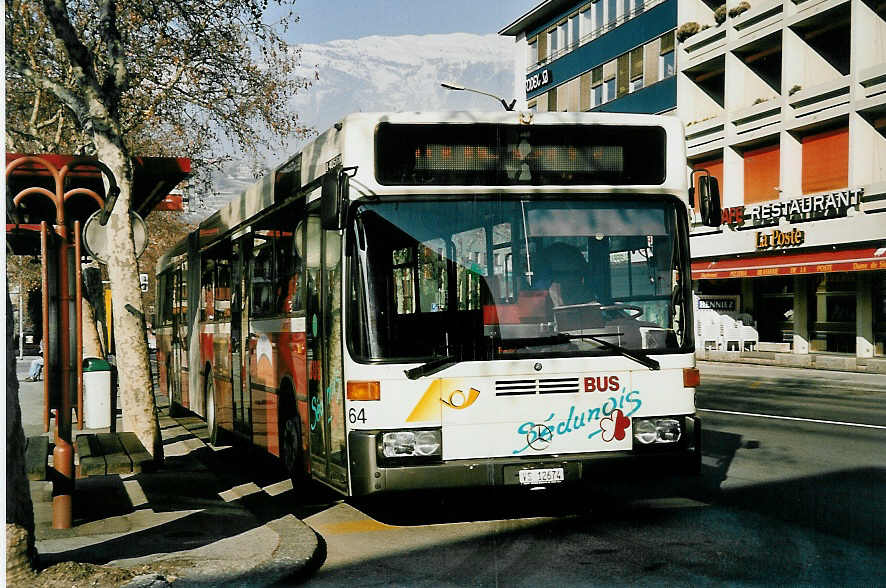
[[191, 501]]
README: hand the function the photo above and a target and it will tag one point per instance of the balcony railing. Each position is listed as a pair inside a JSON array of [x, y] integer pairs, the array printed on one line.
[[597, 32]]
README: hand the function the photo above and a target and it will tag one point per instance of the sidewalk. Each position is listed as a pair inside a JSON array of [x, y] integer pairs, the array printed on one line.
[[192, 521], [819, 361]]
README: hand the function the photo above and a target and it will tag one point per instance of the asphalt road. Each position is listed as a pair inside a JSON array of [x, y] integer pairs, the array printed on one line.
[[798, 499]]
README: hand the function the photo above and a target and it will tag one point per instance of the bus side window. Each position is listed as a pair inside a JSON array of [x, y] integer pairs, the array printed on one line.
[[262, 273], [167, 285], [223, 290], [290, 269], [207, 298], [403, 264]]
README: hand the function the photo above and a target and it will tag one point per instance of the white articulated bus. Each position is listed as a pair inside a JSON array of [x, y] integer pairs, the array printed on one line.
[[437, 300]]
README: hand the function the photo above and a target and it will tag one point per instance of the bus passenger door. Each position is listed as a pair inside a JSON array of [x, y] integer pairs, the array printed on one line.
[[239, 388], [325, 382], [174, 372]]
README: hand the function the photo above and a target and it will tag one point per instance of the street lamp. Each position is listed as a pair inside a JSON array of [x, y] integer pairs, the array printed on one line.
[[451, 86]]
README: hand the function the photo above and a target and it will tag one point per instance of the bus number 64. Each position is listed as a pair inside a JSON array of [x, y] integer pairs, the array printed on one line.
[[354, 415]]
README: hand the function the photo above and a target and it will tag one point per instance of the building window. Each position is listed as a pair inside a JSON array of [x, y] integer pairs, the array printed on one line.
[[598, 15], [597, 86], [552, 43], [609, 91], [563, 35], [636, 69], [574, 31], [761, 174], [587, 23], [532, 58], [667, 63], [612, 11], [826, 161], [597, 95]]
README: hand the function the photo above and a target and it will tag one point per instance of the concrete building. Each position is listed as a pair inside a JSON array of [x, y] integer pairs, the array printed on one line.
[[784, 101]]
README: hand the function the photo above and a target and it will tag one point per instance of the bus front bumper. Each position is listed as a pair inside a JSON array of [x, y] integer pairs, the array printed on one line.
[[368, 476]]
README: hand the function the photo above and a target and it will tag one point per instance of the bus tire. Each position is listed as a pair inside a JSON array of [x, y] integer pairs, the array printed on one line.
[[289, 427], [209, 403]]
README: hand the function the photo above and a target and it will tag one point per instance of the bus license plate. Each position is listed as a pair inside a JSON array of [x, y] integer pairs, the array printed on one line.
[[541, 476]]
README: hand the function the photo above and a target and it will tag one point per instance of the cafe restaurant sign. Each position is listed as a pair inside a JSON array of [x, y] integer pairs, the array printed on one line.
[[814, 207]]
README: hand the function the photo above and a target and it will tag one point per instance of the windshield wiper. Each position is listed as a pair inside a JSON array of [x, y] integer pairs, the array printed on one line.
[[635, 354], [431, 367]]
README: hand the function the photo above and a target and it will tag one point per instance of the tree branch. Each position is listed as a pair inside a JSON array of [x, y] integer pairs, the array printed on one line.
[[117, 77]]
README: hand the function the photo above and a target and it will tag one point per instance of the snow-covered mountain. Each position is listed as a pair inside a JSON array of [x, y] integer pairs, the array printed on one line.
[[384, 74], [404, 74]]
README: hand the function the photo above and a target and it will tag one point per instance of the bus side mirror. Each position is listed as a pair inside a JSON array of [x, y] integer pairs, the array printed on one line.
[[333, 198], [709, 201]]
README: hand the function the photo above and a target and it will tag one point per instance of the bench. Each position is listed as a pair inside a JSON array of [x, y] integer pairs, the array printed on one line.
[[37, 457], [111, 453]]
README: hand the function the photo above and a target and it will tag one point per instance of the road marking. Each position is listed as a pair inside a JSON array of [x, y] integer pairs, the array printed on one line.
[[347, 527], [787, 418]]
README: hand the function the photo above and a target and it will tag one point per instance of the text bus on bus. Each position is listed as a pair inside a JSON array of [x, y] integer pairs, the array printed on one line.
[[421, 300]]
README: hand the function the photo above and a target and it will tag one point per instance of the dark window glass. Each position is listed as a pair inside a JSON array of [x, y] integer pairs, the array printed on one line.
[[486, 154]]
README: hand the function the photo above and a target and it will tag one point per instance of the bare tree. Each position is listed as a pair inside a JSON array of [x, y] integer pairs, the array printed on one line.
[[153, 77]]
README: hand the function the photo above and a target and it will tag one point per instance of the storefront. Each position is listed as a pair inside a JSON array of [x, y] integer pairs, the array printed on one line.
[[805, 283], [826, 300]]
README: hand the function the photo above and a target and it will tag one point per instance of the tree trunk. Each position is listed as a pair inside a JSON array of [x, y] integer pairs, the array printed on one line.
[[20, 552], [92, 346], [131, 347]]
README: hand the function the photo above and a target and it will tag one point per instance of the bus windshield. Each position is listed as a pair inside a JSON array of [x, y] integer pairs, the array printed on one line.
[[509, 277]]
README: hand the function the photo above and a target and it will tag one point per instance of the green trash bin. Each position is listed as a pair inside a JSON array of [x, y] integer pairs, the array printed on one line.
[[96, 393]]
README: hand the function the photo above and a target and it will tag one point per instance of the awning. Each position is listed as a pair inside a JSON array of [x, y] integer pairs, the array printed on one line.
[[153, 180], [846, 260]]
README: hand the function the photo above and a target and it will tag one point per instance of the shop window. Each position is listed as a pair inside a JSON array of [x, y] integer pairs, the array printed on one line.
[[761, 174], [879, 301], [833, 316], [715, 167], [774, 306], [826, 161]]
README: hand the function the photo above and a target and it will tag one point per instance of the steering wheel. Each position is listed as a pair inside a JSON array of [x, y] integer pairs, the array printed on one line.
[[622, 306]]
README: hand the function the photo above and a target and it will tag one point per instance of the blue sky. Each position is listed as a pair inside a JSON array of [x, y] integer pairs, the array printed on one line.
[[327, 20]]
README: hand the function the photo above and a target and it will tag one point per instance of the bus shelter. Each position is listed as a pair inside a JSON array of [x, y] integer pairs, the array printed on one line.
[[49, 198]]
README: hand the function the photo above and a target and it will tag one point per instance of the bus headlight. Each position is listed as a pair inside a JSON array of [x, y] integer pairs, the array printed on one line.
[[656, 430], [419, 443]]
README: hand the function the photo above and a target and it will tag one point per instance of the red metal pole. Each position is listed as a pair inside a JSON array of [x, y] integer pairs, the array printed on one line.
[[44, 309], [63, 454], [78, 298]]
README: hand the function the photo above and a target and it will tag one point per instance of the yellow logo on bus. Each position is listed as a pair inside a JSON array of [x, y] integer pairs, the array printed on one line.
[[442, 392]]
